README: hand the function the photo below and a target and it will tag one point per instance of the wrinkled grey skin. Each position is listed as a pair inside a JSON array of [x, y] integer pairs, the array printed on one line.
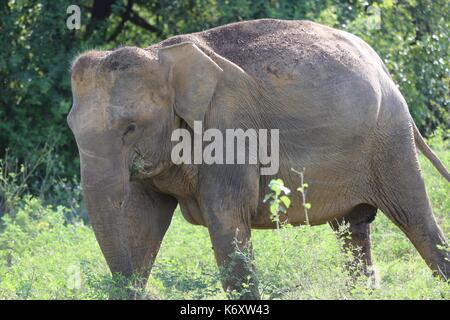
[[339, 113]]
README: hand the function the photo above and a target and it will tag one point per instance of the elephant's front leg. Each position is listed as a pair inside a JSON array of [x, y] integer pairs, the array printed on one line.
[[233, 252], [145, 218], [228, 211]]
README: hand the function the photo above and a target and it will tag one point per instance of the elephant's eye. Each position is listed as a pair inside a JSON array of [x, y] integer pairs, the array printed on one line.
[[130, 129]]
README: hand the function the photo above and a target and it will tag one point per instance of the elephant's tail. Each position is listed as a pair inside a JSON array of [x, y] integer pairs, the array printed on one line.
[[425, 149]]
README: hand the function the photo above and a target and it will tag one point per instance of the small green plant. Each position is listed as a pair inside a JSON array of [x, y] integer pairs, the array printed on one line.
[[242, 255], [302, 191], [13, 182], [16, 178], [278, 199], [279, 204]]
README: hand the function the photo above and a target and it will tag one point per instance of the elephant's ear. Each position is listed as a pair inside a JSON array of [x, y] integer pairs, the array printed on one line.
[[193, 76]]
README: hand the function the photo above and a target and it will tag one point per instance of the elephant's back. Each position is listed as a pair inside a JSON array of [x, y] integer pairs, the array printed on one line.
[[292, 55], [295, 50], [287, 52], [318, 70]]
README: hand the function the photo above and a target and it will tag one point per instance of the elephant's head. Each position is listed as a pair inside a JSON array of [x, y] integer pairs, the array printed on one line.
[[125, 105]]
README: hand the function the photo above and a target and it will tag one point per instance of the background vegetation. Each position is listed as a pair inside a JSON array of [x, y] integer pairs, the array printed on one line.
[[47, 249]]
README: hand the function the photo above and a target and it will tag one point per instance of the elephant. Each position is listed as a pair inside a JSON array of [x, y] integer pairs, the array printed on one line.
[[338, 112]]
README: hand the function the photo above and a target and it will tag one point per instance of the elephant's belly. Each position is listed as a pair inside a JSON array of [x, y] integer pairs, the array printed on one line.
[[190, 211], [333, 191], [325, 206]]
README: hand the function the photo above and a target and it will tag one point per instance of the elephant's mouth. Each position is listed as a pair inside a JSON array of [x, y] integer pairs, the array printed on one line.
[[140, 168], [143, 169]]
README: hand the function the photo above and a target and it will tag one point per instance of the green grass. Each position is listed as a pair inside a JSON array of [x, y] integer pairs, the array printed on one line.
[[44, 257]]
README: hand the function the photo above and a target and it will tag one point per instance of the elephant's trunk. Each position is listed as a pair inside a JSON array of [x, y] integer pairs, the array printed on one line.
[[105, 187]]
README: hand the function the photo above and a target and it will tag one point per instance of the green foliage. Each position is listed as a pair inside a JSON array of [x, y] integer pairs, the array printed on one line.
[[36, 176], [38, 250], [412, 39], [278, 199], [34, 74]]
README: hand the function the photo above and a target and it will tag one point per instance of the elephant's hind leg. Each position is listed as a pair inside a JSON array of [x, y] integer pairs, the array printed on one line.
[[357, 237], [401, 195]]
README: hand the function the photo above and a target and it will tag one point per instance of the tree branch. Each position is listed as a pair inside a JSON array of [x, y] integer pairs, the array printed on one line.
[[101, 9], [125, 17], [140, 22]]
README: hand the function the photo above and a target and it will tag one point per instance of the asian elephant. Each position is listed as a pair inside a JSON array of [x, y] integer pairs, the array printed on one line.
[[338, 112]]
